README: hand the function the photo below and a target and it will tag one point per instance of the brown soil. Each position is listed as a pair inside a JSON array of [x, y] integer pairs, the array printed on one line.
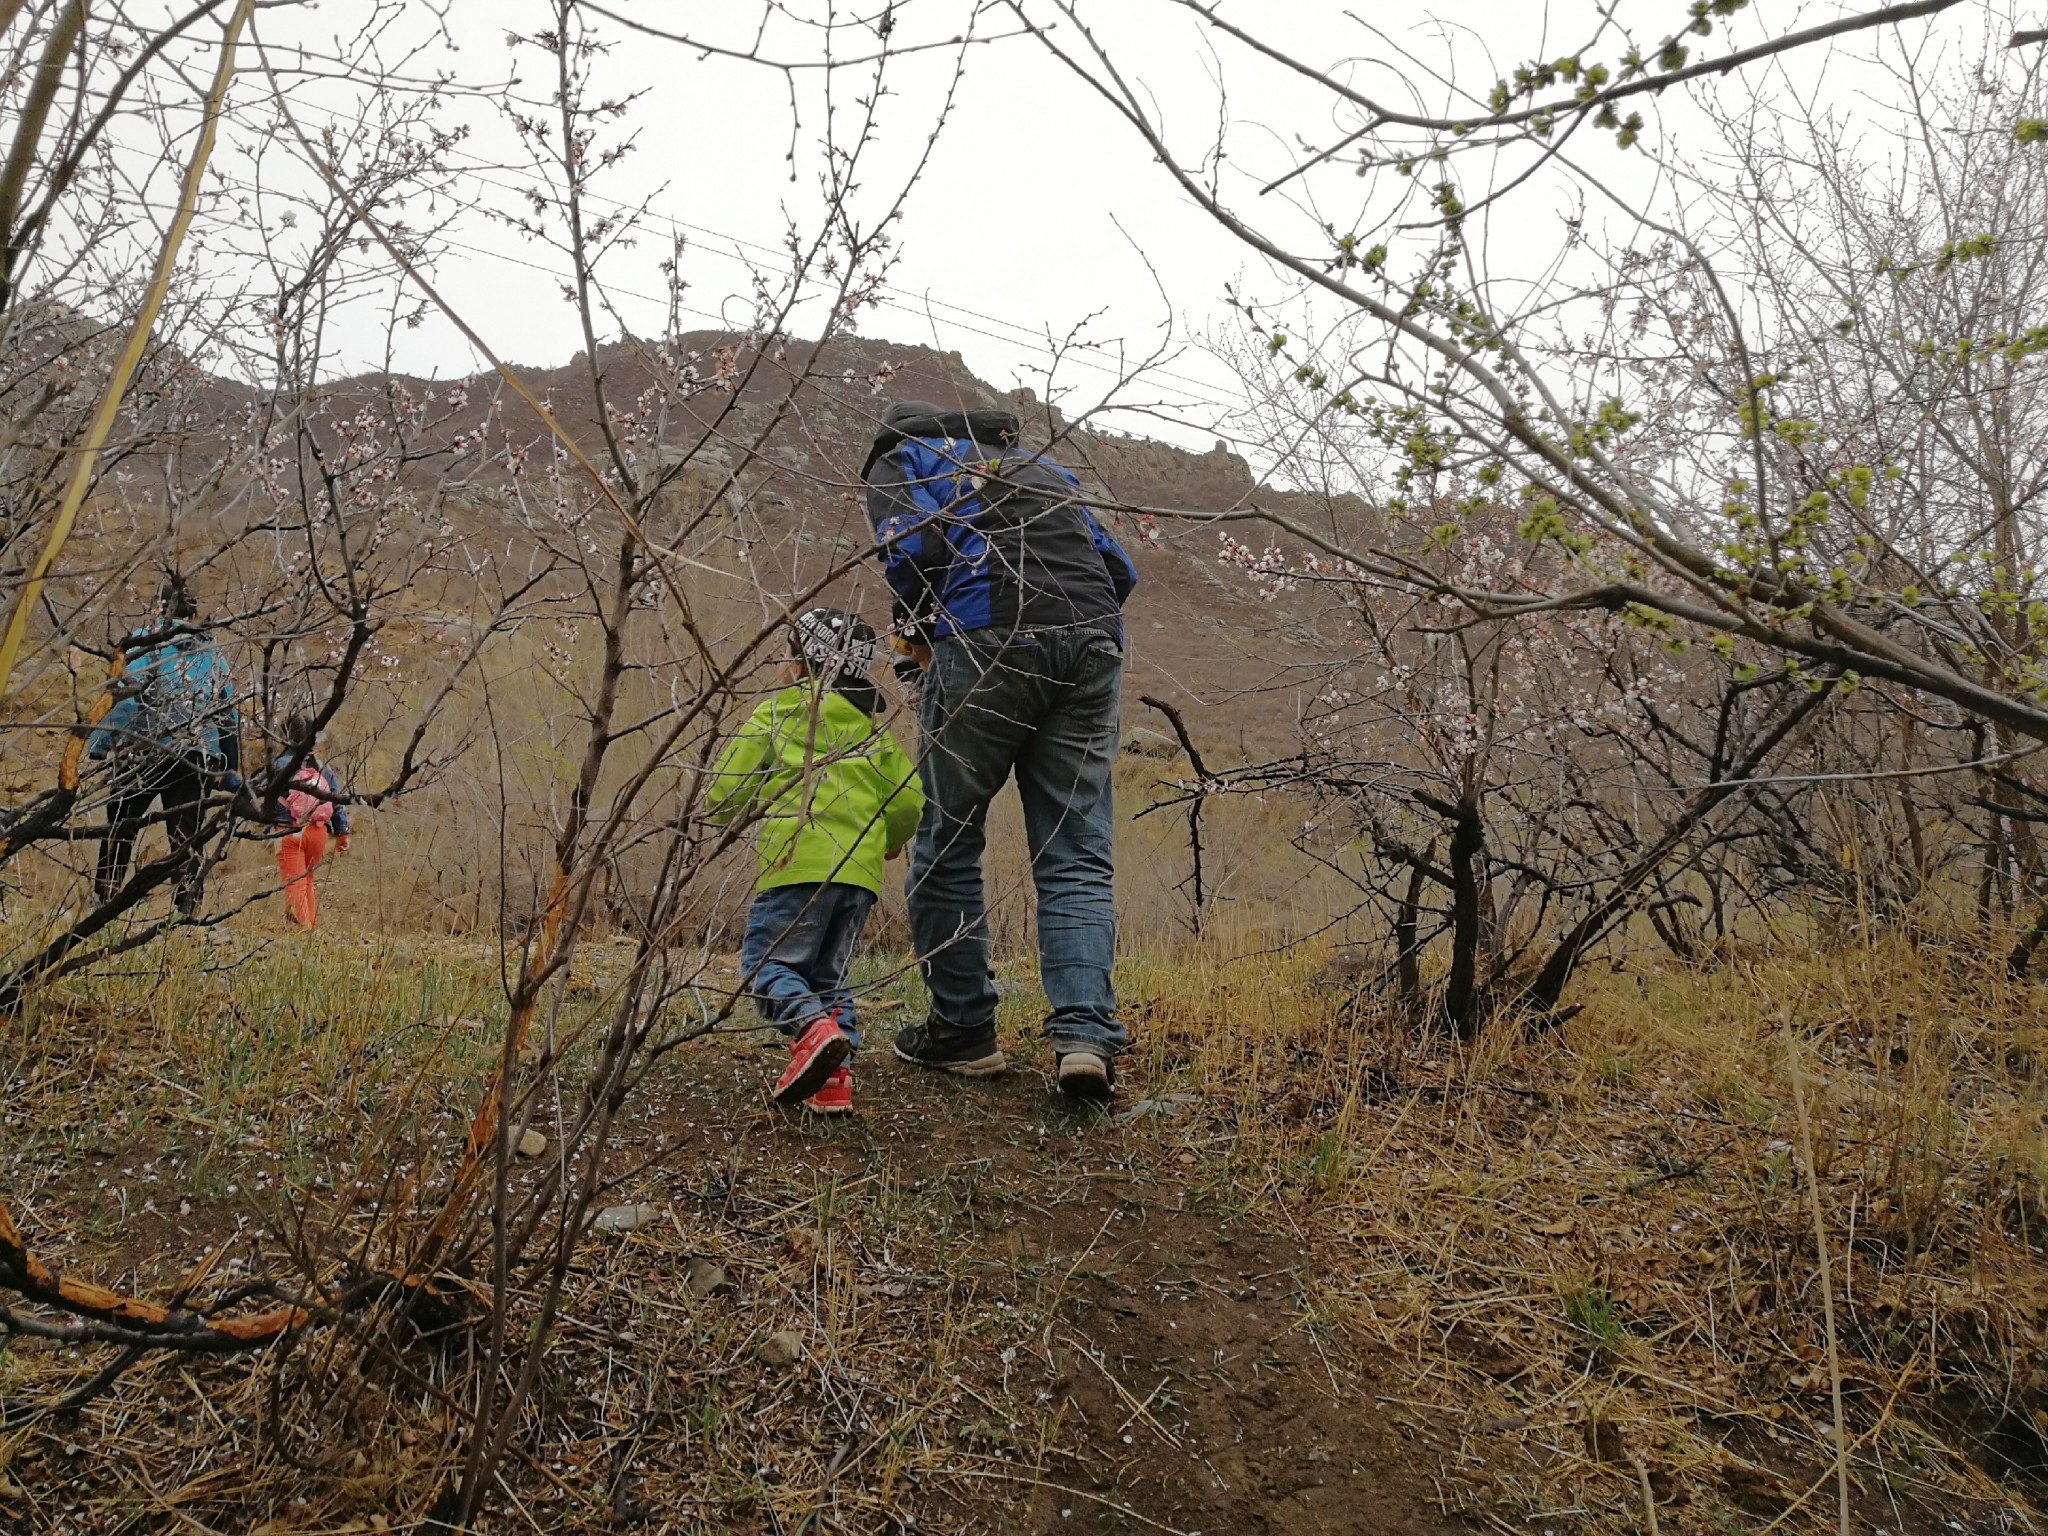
[[1197, 1392], [1201, 1393], [1248, 1423]]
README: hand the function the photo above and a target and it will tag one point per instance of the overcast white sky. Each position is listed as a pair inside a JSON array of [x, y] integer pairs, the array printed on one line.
[[1040, 211]]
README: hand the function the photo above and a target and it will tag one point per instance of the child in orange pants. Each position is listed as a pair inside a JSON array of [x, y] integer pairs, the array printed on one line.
[[309, 815]]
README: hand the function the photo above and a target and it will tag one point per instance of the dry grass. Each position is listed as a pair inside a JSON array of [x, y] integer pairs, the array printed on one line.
[[198, 1114], [1594, 1251], [1588, 1259]]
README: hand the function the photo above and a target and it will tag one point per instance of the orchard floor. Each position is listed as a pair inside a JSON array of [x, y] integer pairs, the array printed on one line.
[[995, 1312]]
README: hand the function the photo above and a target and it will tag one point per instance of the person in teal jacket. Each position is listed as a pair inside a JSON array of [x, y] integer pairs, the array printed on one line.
[[172, 735], [833, 797]]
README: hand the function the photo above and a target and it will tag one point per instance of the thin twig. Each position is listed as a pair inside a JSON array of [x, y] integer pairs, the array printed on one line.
[[1649, 1494], [1827, 1288]]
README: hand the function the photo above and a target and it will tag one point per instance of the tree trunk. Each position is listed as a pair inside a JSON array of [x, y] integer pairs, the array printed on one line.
[[1461, 990], [1407, 959]]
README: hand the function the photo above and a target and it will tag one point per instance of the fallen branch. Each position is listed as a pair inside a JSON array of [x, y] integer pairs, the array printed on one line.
[[101, 1316], [14, 1415]]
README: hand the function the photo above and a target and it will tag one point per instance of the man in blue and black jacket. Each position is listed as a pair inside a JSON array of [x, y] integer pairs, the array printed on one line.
[[1013, 597]]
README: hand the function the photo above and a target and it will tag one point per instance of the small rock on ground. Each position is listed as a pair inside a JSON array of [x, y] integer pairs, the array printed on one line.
[[701, 1278], [625, 1218]]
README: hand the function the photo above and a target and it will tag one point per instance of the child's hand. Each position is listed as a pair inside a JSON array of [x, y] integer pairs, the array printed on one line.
[[896, 853], [917, 650], [341, 843]]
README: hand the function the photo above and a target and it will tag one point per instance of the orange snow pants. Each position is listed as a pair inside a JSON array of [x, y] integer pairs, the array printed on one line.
[[297, 853]]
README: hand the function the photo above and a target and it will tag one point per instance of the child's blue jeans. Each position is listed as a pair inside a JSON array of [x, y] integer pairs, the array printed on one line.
[[798, 948]]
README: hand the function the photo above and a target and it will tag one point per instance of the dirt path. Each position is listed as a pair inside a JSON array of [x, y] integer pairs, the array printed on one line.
[[1180, 1349]]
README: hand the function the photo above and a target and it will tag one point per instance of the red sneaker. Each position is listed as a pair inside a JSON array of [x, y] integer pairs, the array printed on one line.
[[836, 1097], [816, 1054]]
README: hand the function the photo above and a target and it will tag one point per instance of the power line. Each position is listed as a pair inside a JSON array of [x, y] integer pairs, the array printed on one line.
[[1202, 391], [721, 321]]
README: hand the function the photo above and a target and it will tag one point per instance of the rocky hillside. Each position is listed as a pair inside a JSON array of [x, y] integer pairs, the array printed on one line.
[[1201, 635], [770, 448]]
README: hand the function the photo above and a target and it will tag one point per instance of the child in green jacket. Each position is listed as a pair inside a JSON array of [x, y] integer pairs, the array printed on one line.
[[835, 796]]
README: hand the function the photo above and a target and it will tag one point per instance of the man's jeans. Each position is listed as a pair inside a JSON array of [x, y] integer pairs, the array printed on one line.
[[1041, 703], [797, 951]]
